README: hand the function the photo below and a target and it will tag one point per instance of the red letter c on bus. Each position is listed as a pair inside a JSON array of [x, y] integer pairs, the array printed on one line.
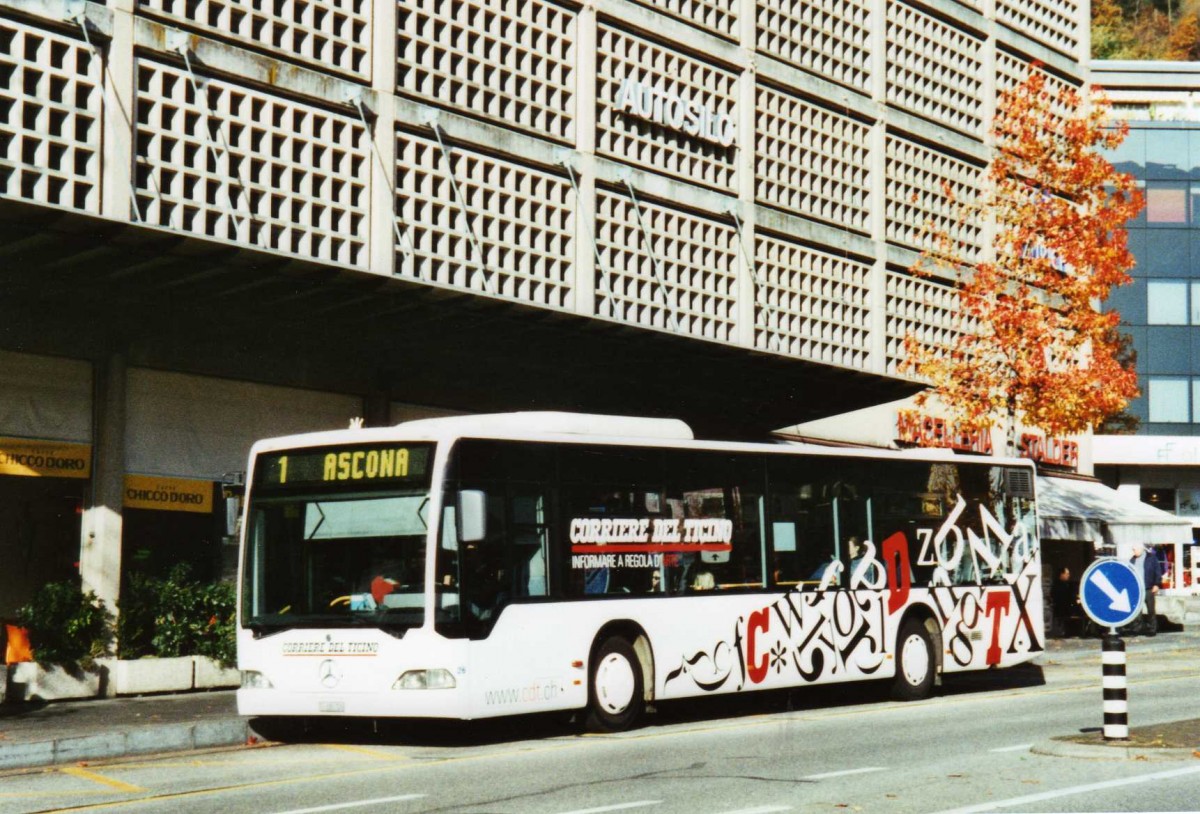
[[759, 620]]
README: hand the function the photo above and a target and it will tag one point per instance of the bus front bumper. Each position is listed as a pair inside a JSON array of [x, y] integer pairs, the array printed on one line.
[[438, 703]]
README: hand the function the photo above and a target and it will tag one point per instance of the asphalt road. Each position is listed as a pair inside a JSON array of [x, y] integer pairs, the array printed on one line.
[[972, 748]]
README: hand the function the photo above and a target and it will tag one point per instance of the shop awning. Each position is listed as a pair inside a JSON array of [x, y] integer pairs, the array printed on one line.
[[1075, 509]]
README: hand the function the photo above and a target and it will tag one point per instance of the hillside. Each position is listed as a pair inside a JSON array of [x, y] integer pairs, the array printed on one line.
[[1146, 29]]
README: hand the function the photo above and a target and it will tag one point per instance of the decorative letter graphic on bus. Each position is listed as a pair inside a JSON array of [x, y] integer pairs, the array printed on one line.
[[978, 592]]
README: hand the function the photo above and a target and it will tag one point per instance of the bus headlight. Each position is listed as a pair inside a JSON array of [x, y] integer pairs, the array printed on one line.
[[425, 680], [254, 680]]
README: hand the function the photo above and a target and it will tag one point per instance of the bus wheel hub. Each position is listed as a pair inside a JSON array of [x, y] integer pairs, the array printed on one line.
[[614, 683]]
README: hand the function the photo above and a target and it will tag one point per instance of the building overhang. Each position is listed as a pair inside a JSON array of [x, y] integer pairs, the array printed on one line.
[[75, 282], [1087, 510]]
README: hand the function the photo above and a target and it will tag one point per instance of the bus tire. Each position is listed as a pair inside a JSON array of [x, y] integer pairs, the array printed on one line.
[[616, 698], [916, 662]]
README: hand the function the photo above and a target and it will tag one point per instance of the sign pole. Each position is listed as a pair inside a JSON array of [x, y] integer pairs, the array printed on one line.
[[1116, 701], [1111, 595]]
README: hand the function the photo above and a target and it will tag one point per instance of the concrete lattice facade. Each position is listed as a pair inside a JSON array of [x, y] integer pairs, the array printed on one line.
[[655, 207], [477, 146]]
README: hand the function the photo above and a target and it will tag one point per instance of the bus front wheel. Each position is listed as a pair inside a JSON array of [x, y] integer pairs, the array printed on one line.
[[916, 662], [616, 695]]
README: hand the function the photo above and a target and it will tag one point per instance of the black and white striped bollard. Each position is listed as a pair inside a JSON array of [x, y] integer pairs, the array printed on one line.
[[1116, 702]]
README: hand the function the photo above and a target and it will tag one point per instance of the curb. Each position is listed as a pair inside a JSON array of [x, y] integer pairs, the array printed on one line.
[[148, 740], [1057, 748]]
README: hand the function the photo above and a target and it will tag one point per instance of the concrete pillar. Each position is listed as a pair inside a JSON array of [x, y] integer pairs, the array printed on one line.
[[584, 162], [747, 294], [383, 254], [100, 552], [116, 187], [877, 360]]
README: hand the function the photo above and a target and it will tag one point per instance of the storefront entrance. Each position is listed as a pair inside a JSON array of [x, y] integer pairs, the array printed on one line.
[[40, 523]]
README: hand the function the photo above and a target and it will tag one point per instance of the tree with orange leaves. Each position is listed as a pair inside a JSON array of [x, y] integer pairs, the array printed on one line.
[[1031, 340]]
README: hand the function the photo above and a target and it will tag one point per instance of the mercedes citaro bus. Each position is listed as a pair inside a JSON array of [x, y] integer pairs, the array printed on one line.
[[489, 565]]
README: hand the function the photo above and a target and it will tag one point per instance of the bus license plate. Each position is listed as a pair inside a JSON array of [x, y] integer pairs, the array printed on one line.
[[331, 706]]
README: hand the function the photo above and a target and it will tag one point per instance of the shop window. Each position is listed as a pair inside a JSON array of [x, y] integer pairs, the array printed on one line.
[[1188, 501], [41, 521], [152, 542], [1159, 497]]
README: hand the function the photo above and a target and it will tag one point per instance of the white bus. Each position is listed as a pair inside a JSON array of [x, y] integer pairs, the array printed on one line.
[[490, 565]]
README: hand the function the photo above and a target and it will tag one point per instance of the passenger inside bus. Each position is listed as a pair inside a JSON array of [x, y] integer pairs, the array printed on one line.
[[871, 572], [487, 589], [704, 581]]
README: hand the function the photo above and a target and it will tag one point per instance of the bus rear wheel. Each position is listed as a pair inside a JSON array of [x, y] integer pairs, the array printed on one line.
[[915, 662], [616, 698]]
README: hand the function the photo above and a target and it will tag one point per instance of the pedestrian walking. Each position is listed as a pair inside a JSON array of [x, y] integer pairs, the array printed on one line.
[[1145, 563]]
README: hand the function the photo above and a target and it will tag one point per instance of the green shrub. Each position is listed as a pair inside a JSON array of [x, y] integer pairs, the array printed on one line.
[[177, 616], [135, 624], [66, 624]]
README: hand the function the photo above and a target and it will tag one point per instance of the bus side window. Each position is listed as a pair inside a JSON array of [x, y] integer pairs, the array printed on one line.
[[801, 517], [529, 544], [722, 501]]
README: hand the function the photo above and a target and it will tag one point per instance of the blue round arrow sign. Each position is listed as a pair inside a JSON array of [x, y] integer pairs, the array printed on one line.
[[1110, 592]]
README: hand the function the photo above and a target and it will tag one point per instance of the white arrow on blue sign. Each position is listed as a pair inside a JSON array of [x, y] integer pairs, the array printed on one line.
[[1110, 592]]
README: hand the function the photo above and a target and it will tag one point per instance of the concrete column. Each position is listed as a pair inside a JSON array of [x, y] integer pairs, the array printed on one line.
[[747, 296], [100, 552], [583, 162], [383, 252], [746, 118], [120, 77], [877, 160], [988, 95]]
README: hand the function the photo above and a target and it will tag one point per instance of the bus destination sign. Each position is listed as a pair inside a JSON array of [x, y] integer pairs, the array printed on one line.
[[301, 467]]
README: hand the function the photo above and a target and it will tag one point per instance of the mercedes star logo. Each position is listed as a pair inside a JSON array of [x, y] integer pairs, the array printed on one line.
[[329, 674]]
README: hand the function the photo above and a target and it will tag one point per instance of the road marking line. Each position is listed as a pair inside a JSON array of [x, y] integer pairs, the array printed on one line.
[[615, 807], [843, 773], [120, 785], [760, 810], [362, 750], [356, 804], [774, 719], [1050, 795], [20, 795], [1016, 748]]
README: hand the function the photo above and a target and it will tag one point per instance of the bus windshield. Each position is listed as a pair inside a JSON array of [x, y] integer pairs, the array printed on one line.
[[349, 553]]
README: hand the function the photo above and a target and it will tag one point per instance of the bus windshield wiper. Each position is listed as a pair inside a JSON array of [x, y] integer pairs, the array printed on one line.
[[260, 628]]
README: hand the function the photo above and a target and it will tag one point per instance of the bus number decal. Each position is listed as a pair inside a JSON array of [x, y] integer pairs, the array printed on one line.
[[366, 464]]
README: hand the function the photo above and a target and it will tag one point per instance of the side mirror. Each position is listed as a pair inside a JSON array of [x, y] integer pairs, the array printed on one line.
[[233, 511], [233, 493], [472, 515]]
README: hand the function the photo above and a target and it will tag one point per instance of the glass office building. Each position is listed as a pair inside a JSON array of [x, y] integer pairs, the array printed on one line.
[[1160, 310]]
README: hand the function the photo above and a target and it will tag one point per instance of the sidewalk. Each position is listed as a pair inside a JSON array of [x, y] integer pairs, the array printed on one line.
[[41, 734], [47, 734]]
